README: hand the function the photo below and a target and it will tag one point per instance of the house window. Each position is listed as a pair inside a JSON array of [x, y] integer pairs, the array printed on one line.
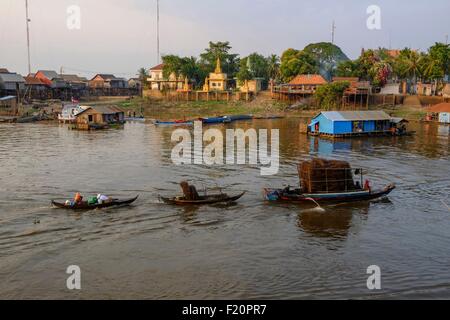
[[90, 118]]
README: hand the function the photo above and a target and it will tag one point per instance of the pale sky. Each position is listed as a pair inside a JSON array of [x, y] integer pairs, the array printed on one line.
[[119, 36]]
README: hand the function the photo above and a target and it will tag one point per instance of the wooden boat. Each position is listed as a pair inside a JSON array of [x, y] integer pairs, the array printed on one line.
[[214, 120], [86, 206], [297, 196], [240, 118], [174, 123], [212, 199]]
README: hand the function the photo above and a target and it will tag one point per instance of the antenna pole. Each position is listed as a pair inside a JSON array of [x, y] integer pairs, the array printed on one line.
[[28, 36], [333, 30], [157, 30]]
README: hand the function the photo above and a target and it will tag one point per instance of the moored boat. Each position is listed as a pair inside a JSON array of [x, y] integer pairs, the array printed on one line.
[[86, 206]]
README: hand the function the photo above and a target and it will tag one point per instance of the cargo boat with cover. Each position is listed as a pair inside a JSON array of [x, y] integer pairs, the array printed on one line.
[[328, 181]]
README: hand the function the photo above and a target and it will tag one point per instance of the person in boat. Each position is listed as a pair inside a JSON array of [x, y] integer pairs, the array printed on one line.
[[102, 199], [78, 199], [190, 192], [367, 186]]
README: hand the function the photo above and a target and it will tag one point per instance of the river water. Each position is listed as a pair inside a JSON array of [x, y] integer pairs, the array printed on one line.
[[250, 250]]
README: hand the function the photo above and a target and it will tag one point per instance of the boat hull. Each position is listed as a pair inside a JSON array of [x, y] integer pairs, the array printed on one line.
[[204, 200], [280, 195], [85, 206]]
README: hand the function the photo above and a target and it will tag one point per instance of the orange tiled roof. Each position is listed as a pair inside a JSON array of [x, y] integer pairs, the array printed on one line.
[[158, 67], [308, 79], [33, 81], [441, 107]]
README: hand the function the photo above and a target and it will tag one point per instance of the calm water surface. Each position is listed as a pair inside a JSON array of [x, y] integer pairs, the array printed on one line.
[[251, 250]]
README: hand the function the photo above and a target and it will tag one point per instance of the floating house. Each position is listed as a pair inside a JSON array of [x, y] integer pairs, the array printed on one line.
[[439, 113], [350, 123], [69, 113], [99, 117]]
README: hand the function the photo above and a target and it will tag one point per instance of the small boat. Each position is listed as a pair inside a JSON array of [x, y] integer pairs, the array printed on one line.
[[297, 196], [86, 206], [212, 199], [239, 118], [135, 119], [174, 123], [214, 120]]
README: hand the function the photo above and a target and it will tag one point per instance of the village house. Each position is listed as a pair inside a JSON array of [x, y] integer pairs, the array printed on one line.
[[301, 86], [99, 117], [75, 82], [135, 83], [254, 85], [51, 79], [157, 81], [11, 84], [439, 113], [350, 123], [107, 81], [35, 88]]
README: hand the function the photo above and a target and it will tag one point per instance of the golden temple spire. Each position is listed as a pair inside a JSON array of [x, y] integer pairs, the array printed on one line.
[[218, 66]]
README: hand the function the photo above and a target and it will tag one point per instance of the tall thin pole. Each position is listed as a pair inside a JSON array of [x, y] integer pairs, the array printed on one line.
[[157, 30], [333, 29], [28, 36]]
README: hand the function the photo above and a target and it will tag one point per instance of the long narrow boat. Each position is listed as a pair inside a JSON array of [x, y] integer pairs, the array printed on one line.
[[213, 199], [174, 123], [243, 117], [214, 120], [85, 206], [296, 196]]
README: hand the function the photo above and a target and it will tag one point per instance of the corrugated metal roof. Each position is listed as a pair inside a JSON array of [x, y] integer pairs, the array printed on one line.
[[356, 115], [49, 74], [104, 109], [11, 77], [7, 98], [308, 79]]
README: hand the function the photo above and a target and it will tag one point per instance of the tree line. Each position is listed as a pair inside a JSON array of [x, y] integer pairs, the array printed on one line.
[[374, 65]]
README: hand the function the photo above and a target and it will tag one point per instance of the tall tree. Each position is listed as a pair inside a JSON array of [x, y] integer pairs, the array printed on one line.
[[230, 62], [295, 62], [327, 57]]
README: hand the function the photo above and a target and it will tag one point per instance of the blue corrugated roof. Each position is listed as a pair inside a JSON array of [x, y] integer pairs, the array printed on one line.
[[356, 115]]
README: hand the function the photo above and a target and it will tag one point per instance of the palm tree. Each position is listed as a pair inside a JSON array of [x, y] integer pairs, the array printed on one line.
[[273, 66], [143, 74], [413, 65]]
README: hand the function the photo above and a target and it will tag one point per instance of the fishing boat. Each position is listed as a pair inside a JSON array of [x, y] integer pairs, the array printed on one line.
[[298, 196], [203, 200], [86, 206], [324, 180]]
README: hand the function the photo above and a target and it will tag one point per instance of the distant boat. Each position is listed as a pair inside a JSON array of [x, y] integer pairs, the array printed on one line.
[[173, 123], [207, 199]]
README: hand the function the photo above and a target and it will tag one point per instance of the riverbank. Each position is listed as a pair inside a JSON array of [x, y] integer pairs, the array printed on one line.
[[169, 110]]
